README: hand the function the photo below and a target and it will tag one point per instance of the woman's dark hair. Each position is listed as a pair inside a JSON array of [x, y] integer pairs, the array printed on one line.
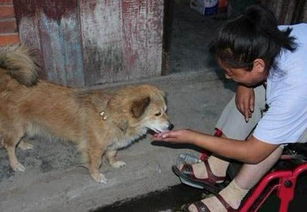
[[254, 34]]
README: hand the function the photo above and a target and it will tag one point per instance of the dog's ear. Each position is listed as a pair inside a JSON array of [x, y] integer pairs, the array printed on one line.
[[139, 106]]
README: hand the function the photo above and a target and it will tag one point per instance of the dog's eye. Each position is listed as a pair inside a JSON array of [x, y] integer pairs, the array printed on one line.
[[158, 114]]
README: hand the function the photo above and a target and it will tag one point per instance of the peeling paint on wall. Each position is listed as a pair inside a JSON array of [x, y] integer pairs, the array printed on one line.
[[102, 41], [89, 42], [59, 44], [54, 9]]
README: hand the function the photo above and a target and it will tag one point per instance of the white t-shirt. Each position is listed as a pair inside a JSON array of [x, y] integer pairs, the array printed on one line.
[[286, 94]]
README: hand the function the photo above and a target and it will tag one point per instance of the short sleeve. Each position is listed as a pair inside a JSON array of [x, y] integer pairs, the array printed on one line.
[[286, 119], [284, 122]]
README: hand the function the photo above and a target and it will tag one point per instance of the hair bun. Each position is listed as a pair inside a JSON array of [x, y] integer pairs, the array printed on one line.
[[261, 16]]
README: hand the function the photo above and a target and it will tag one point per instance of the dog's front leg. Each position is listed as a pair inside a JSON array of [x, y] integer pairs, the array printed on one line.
[[94, 156], [10, 146], [111, 156]]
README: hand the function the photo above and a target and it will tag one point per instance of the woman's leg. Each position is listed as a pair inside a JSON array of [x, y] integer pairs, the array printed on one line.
[[248, 177], [233, 125], [250, 174]]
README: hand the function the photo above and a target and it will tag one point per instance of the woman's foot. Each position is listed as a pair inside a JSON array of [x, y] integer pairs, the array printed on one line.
[[211, 204], [217, 167], [229, 199]]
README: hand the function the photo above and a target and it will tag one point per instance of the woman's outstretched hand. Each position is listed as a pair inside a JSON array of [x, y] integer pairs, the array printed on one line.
[[177, 136]]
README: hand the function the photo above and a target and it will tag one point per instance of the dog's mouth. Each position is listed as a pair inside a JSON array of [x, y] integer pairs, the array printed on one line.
[[155, 131]]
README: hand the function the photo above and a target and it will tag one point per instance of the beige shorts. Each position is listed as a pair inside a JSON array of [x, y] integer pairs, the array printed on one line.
[[233, 125]]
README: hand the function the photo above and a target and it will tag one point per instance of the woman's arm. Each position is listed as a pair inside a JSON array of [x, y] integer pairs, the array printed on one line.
[[245, 101], [250, 151]]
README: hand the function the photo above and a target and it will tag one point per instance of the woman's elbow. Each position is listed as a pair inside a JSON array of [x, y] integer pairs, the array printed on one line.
[[256, 151]]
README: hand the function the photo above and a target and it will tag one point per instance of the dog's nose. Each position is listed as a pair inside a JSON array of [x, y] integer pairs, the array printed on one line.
[[170, 127]]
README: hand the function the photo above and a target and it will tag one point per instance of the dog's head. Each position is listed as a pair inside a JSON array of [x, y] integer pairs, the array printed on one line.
[[144, 107]]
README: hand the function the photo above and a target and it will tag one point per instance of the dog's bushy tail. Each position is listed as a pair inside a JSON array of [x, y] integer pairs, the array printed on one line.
[[19, 62]]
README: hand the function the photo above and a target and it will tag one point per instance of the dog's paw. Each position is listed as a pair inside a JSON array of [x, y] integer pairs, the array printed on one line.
[[25, 146], [118, 164], [18, 167], [100, 178]]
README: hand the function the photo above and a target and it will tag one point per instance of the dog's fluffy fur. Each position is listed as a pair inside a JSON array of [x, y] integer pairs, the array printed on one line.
[[99, 122]]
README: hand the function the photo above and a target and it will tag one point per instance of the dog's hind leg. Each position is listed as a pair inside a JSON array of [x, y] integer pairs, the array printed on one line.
[[10, 143], [24, 145], [111, 156]]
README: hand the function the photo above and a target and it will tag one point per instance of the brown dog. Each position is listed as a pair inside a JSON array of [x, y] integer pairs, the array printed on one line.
[[99, 122]]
